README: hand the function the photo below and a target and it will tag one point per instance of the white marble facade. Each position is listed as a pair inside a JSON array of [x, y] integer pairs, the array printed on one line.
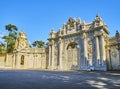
[[76, 46], [79, 46]]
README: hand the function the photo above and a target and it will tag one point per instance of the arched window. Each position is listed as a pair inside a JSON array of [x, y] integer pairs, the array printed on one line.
[[22, 60]]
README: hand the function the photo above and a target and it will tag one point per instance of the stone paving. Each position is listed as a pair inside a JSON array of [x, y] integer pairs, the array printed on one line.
[[36, 79]]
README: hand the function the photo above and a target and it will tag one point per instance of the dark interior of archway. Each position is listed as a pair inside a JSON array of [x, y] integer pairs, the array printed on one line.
[[72, 45]]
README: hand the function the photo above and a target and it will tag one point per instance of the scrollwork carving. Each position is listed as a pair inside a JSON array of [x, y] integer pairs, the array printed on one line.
[[114, 53]]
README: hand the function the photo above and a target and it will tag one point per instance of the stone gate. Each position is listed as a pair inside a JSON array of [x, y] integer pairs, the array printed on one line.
[[79, 45]]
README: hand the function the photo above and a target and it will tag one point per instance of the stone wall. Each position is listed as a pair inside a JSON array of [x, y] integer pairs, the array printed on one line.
[[30, 58], [9, 60], [6, 60], [34, 58], [2, 60], [114, 53]]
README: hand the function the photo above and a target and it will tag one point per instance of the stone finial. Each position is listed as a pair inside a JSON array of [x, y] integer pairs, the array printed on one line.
[[71, 20], [59, 32], [97, 18], [63, 25], [83, 23], [97, 15], [52, 30], [98, 21], [79, 20], [52, 35], [22, 34], [117, 33], [74, 19]]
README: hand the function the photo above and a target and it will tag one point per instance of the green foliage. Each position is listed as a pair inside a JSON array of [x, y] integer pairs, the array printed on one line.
[[11, 37], [2, 48], [38, 44], [11, 27]]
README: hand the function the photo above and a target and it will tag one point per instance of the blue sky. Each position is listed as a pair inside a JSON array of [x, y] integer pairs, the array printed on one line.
[[38, 17]]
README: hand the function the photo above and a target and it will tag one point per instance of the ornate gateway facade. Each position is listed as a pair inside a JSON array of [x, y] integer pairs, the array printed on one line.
[[76, 46], [83, 46]]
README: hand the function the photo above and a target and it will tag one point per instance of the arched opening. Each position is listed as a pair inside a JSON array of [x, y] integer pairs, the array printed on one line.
[[72, 45], [22, 61], [73, 55]]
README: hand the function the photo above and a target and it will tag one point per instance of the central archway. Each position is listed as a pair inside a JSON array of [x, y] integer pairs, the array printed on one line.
[[72, 55]]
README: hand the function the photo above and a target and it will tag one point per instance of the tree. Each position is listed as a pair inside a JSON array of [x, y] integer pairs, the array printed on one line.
[[38, 44], [10, 39], [11, 27], [2, 48]]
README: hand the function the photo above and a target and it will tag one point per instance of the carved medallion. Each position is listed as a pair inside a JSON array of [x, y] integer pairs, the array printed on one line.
[[114, 53]]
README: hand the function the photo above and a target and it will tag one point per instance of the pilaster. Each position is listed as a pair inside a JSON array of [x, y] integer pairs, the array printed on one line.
[[102, 50], [85, 50], [49, 62], [60, 53], [17, 61], [53, 54], [97, 51]]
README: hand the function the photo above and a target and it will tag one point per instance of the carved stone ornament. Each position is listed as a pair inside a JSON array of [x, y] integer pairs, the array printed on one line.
[[71, 22], [114, 53]]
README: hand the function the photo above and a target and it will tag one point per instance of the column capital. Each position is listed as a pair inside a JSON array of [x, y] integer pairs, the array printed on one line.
[[51, 42], [60, 41], [100, 33]]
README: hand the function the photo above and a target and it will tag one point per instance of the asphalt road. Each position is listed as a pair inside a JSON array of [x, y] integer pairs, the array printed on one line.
[[36, 79]]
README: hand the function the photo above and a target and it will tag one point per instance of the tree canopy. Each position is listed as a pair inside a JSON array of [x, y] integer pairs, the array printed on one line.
[[2, 48], [38, 44], [11, 37], [11, 27]]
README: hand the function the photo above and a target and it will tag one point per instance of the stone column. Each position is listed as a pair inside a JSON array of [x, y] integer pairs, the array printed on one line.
[[49, 62], [17, 61], [25, 61], [13, 61], [79, 55], [97, 51], [64, 29], [102, 50], [66, 57], [35, 61], [53, 63], [75, 26], [60, 54], [85, 50]]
